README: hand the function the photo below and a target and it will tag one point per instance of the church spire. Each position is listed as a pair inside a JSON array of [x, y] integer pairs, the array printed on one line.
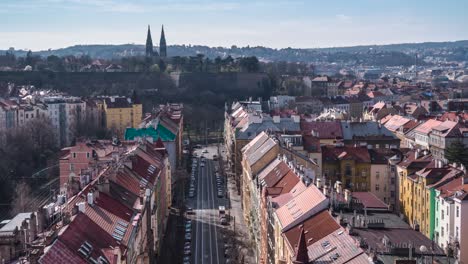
[[162, 44], [149, 44]]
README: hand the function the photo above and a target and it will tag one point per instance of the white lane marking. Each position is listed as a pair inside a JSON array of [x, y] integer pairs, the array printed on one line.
[[201, 213], [214, 223], [197, 235]]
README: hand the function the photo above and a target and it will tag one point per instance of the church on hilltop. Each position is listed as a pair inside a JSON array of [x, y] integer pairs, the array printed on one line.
[[162, 45]]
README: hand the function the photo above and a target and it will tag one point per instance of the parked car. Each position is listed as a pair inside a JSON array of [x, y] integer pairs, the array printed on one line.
[[190, 211], [205, 151]]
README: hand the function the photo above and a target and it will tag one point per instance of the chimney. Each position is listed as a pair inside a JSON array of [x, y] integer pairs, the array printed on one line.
[[276, 119], [338, 187], [347, 195], [318, 183], [91, 197], [295, 118], [416, 154], [81, 207]]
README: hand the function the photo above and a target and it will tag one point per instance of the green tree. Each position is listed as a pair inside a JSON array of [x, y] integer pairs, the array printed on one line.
[[457, 152], [155, 68]]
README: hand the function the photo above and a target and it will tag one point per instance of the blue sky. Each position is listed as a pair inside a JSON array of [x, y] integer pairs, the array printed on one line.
[[43, 24]]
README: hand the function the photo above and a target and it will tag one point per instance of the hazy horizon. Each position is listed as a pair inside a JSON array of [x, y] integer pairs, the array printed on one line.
[[43, 24], [228, 47]]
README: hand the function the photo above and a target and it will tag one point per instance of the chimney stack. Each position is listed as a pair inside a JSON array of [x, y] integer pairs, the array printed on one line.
[[81, 207], [347, 195], [338, 187], [318, 183]]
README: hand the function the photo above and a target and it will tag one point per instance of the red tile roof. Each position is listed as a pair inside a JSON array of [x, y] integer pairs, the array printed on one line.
[[427, 126], [307, 203], [273, 173], [58, 252], [71, 238], [287, 182], [411, 162], [332, 153], [324, 129], [369, 200], [315, 228]]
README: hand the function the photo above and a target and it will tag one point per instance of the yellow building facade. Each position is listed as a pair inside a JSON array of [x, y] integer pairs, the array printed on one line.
[[415, 199], [121, 112]]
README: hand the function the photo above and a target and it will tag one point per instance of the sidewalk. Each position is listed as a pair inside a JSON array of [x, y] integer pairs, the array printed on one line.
[[237, 217]]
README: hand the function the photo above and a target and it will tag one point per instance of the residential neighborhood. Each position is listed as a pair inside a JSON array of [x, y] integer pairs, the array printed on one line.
[[233, 132]]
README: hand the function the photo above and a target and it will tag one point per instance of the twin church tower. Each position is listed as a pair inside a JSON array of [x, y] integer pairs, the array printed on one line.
[[162, 45]]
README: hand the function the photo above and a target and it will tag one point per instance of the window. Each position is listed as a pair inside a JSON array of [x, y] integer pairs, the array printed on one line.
[[442, 231], [74, 155], [442, 215], [87, 155], [377, 187], [458, 211], [457, 232], [364, 173], [377, 175], [348, 170], [72, 167]]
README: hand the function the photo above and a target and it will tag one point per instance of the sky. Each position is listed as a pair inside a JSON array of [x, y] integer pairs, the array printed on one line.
[[44, 24]]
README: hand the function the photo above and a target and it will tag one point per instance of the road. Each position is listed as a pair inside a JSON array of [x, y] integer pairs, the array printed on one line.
[[207, 239]]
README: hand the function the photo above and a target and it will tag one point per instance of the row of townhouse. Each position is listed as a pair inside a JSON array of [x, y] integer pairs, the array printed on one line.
[[353, 105], [278, 196], [362, 155], [433, 199], [64, 114], [435, 134], [243, 123], [68, 114], [296, 216], [118, 214]]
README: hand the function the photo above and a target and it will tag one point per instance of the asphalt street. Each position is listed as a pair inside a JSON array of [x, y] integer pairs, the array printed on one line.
[[207, 239]]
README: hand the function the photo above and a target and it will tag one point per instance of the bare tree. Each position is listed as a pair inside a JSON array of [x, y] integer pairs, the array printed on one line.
[[22, 199]]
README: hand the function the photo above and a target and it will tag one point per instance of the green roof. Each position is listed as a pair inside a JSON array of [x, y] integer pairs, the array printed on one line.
[[161, 131]]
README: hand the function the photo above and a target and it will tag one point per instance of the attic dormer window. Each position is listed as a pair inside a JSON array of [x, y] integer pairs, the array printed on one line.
[[74, 155]]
